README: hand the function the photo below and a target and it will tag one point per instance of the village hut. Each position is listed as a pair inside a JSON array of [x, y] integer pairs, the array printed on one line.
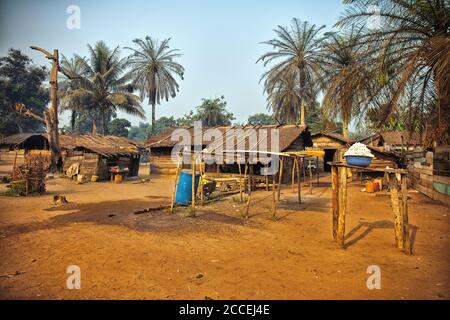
[[396, 141], [97, 155], [15, 148], [291, 138], [335, 145]]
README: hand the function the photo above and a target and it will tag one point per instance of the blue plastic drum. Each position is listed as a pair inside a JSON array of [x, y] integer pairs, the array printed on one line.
[[184, 188]]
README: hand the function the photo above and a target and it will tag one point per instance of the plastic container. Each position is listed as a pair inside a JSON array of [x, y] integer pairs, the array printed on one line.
[[358, 161], [184, 188], [118, 178], [94, 178]]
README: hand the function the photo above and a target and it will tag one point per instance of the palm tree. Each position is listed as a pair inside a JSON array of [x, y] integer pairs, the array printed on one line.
[[153, 69], [103, 87], [413, 44], [72, 74], [284, 96], [299, 48], [347, 77]]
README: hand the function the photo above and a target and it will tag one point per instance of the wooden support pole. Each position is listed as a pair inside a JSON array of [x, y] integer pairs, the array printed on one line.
[[342, 205], [177, 175], [279, 180], [267, 179], [293, 175], [193, 184], [274, 197], [245, 176], [310, 177], [201, 180], [299, 184], [405, 218], [334, 199], [247, 207], [240, 182], [317, 171], [398, 223]]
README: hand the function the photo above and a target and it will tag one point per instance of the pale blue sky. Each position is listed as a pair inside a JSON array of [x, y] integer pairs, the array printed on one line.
[[219, 40]]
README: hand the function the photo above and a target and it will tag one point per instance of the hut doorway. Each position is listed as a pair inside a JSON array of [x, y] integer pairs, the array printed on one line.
[[329, 156]]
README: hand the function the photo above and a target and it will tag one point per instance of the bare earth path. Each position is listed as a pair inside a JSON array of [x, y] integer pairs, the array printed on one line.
[[216, 255]]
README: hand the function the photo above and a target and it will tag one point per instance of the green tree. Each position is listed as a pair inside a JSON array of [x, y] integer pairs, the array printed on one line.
[[153, 68], [412, 56], [21, 82], [347, 77], [119, 127], [261, 119], [103, 86], [162, 124], [298, 47], [139, 133]]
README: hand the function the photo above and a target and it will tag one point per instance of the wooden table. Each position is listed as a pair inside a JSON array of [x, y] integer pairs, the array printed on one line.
[[396, 178]]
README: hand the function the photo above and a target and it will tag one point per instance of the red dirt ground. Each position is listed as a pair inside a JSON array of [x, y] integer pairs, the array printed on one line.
[[216, 255]]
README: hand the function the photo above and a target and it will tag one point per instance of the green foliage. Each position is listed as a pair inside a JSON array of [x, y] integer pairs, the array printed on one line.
[[212, 113], [119, 127], [139, 133], [153, 68], [21, 82], [261, 119]]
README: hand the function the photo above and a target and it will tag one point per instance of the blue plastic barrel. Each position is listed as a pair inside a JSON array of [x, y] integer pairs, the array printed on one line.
[[184, 188]]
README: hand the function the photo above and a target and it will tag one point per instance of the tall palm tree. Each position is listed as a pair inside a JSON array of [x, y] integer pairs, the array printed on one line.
[[298, 47], [284, 95], [347, 77], [153, 68], [103, 87], [413, 41], [72, 68]]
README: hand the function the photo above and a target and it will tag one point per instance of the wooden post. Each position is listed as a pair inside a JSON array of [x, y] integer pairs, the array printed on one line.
[[293, 175], [342, 205], [310, 177], [398, 223], [299, 184], [267, 179], [177, 174], [334, 199], [247, 207], [405, 218], [245, 176], [317, 171], [274, 198], [201, 180], [193, 183], [280, 178], [240, 182]]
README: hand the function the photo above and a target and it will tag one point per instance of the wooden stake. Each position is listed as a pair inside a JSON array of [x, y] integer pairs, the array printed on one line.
[[280, 178], [245, 176], [293, 175], [177, 174], [201, 180], [274, 198], [193, 184], [310, 177], [334, 199], [299, 184], [249, 194], [405, 218], [342, 205], [240, 182], [398, 223], [267, 179]]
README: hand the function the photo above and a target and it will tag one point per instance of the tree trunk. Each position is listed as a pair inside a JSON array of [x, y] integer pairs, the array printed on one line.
[[72, 120], [302, 113], [345, 127], [94, 126], [102, 119], [153, 117], [51, 117]]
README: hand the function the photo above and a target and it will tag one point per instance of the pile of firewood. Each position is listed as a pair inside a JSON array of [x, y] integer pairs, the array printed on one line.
[[29, 178]]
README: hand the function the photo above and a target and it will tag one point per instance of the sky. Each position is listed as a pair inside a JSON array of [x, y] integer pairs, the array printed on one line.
[[220, 40]]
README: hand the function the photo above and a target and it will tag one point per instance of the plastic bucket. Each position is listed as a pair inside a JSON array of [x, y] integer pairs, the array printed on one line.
[[118, 178], [184, 188], [358, 161]]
